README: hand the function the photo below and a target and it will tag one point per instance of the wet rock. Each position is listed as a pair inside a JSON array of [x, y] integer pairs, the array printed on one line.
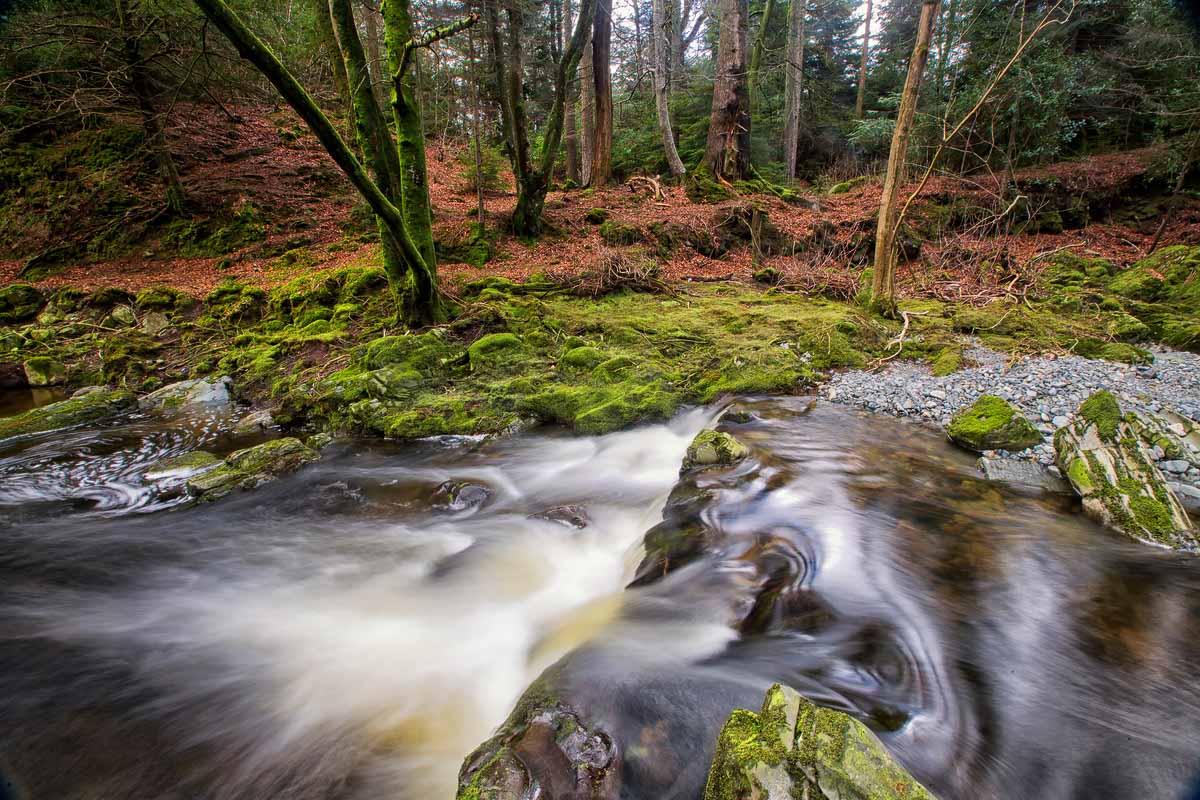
[[252, 467], [319, 441], [461, 496], [87, 409], [121, 317], [991, 423], [182, 466], [1110, 467], [43, 371], [255, 422], [713, 449], [1025, 474], [570, 516], [792, 748], [197, 392]]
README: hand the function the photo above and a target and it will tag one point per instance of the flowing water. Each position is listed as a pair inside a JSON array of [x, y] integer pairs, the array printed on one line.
[[353, 630]]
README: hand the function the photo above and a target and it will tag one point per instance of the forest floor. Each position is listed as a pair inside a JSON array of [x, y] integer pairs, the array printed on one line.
[[267, 160]]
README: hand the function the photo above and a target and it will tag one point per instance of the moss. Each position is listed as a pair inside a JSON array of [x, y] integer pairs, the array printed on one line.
[[583, 358], [1079, 476], [236, 302], [617, 234], [1103, 411], [43, 371], [702, 187], [992, 423], [1111, 351], [596, 216], [948, 361], [493, 349], [84, 409], [473, 247], [19, 302], [161, 298], [250, 467], [713, 449], [847, 186]]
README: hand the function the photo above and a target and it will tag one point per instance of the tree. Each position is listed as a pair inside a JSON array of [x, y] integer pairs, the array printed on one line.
[[883, 290], [661, 41], [756, 54], [794, 85], [727, 150], [399, 193], [570, 138], [602, 78], [862, 67], [532, 173]]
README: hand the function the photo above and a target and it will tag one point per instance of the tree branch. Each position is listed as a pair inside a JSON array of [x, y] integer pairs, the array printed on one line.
[[431, 38]]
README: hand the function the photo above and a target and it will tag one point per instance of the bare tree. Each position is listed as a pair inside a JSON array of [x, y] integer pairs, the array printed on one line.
[[660, 39], [756, 53], [570, 137], [727, 151], [883, 288], [587, 112], [793, 90]]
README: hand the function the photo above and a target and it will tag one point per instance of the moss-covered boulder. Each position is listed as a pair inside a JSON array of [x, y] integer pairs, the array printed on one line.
[[1107, 460], [252, 467], [185, 465], [713, 449], [596, 216], [199, 392], [850, 185], [85, 408], [43, 371], [19, 302], [991, 423], [493, 350], [617, 234], [792, 748]]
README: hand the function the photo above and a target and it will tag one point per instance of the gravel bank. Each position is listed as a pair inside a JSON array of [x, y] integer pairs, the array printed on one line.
[[1047, 389]]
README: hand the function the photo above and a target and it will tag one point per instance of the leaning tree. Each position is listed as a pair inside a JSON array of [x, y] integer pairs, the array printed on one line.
[[396, 188]]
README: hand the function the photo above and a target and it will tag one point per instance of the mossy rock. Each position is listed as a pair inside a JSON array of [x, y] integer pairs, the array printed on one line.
[[596, 216], [582, 359], [251, 467], [793, 748], [991, 423], [496, 283], [19, 302], [43, 371], [236, 302], [850, 185], [618, 234], [1171, 275], [87, 408], [108, 298], [184, 465], [493, 350], [1112, 351], [474, 248], [947, 362], [713, 449], [701, 187], [161, 298], [1106, 458]]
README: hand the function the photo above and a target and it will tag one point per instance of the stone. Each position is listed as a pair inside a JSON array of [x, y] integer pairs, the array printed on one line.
[[713, 449], [42, 371], [155, 322], [196, 392], [87, 409], [121, 317], [182, 466], [569, 516], [792, 748], [319, 441], [991, 423], [252, 467], [254, 422], [19, 302], [1024, 474], [1108, 464], [461, 496], [1177, 467]]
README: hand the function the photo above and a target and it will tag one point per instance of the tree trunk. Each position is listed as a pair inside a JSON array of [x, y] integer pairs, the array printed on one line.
[[883, 283], [862, 66], [571, 107], [587, 114], [532, 176], [727, 151], [947, 40], [756, 54], [251, 48], [793, 89], [377, 65], [152, 121], [661, 41], [327, 41], [602, 77], [476, 113]]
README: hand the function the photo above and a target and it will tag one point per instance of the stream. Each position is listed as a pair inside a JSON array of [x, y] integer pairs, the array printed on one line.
[[355, 629]]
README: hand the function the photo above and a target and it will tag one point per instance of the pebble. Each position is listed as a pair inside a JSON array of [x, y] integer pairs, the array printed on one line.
[[1047, 389]]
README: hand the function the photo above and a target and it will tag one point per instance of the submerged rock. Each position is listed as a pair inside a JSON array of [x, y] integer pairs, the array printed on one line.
[[459, 496], [184, 465], [792, 748], [713, 449], [992, 423], [197, 392], [570, 516], [252, 467], [1109, 465], [1025, 474], [84, 409]]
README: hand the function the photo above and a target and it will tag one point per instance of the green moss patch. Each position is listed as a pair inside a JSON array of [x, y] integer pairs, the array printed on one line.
[[992, 423]]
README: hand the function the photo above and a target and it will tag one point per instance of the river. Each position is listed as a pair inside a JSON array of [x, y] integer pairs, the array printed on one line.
[[355, 629]]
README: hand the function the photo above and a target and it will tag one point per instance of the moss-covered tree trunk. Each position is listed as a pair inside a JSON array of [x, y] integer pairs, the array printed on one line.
[[727, 151], [327, 42], [416, 307], [793, 85], [883, 282], [756, 53]]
